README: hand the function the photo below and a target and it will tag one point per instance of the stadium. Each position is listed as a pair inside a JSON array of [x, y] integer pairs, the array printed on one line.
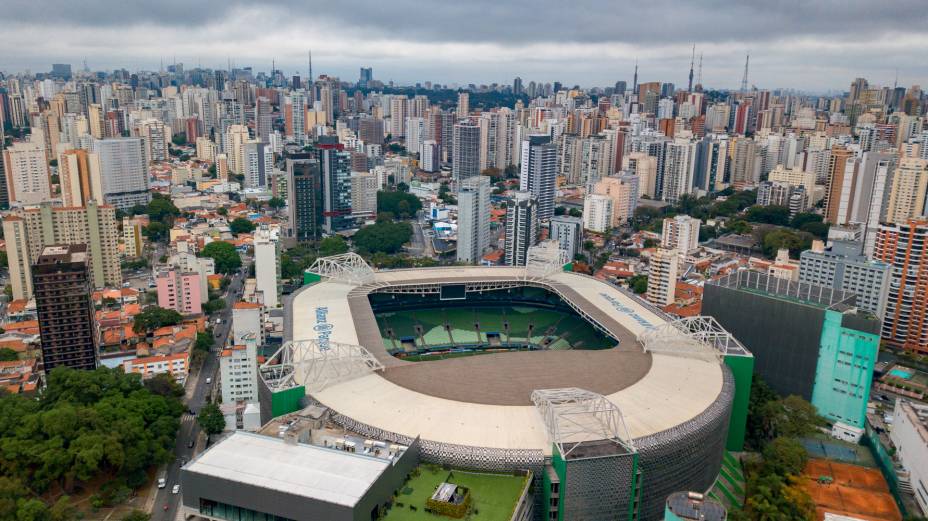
[[610, 404]]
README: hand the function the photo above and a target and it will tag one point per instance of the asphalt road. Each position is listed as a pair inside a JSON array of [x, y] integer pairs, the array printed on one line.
[[189, 430]]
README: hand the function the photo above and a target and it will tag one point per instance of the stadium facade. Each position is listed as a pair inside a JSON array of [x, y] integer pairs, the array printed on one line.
[[609, 432]]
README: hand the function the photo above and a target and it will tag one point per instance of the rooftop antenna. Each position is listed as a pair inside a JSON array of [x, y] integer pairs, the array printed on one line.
[[692, 60], [310, 65], [744, 80], [896, 81]]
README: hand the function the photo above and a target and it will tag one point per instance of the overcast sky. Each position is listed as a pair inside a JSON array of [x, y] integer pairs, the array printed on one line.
[[814, 45]]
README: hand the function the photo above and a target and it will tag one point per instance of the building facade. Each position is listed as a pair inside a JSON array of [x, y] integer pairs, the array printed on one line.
[[473, 219], [179, 291], [843, 266], [521, 227], [902, 246], [61, 281]]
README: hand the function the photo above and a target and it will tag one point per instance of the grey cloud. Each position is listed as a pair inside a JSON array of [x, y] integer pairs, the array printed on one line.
[[517, 21]]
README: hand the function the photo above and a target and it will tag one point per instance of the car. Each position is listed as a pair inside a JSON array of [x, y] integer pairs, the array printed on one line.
[[209, 381], [161, 483], [190, 444], [176, 489], [192, 412]]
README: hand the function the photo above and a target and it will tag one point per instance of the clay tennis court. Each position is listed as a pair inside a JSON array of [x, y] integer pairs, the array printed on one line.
[[856, 491]]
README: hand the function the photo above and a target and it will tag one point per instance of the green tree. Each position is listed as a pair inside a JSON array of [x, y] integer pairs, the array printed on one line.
[[164, 384], [205, 341], [223, 211], [738, 226], [575, 212], [400, 204], [161, 209], [156, 231], [638, 284], [179, 139], [214, 305], [225, 255], [241, 225], [276, 203], [153, 317], [385, 237], [778, 215], [791, 417], [4, 262], [785, 456], [211, 419], [334, 245], [783, 238], [8, 355]]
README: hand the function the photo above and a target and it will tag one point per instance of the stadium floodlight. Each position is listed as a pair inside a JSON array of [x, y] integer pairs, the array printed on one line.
[[574, 417], [545, 258], [696, 337], [317, 364], [347, 267]]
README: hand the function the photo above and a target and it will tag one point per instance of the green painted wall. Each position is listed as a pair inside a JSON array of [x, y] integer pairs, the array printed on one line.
[[844, 371], [742, 368], [310, 278], [560, 468], [670, 516], [285, 402]]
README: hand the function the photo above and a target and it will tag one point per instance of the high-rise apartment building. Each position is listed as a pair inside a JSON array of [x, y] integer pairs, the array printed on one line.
[[156, 137], [473, 219], [26, 169], [466, 151], [79, 176], [28, 231], [679, 169], [370, 130], [842, 176], [363, 195], [257, 164], [429, 156], [238, 372], [623, 189], [568, 232], [903, 247], [680, 233], [538, 174], [843, 266], [662, 276], [123, 171], [597, 212], [267, 266], [295, 116], [336, 184], [304, 197], [64, 307], [399, 106], [179, 290], [521, 227], [463, 108], [744, 171], [908, 189]]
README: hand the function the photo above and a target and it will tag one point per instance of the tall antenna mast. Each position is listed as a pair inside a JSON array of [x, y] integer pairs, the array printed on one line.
[[699, 74], [310, 79], [692, 61], [744, 80], [635, 80]]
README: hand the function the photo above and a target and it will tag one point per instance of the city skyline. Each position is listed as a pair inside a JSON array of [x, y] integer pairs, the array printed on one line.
[[817, 48]]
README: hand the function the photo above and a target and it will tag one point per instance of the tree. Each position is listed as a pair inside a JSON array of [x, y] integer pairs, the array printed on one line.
[[211, 419], [739, 227], [164, 384], [205, 341], [778, 215], [638, 284], [161, 209], [334, 245], [156, 231], [400, 204], [276, 203], [792, 417], [785, 456], [575, 212], [8, 355], [214, 305], [153, 317], [385, 237], [241, 225], [560, 210], [223, 211], [179, 139], [783, 238], [225, 255]]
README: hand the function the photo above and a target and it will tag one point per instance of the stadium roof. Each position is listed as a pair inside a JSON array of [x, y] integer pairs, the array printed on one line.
[[485, 401], [309, 471]]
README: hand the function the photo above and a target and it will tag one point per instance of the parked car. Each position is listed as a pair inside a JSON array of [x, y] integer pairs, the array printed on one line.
[[161, 483], [176, 489]]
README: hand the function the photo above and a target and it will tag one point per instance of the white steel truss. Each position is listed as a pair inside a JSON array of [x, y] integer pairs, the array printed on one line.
[[316, 365], [347, 267], [575, 416], [544, 259], [697, 337]]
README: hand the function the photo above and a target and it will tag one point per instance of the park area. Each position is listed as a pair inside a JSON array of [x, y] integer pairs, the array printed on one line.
[[494, 496]]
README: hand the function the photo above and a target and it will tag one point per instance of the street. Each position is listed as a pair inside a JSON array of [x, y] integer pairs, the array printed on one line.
[[189, 429]]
